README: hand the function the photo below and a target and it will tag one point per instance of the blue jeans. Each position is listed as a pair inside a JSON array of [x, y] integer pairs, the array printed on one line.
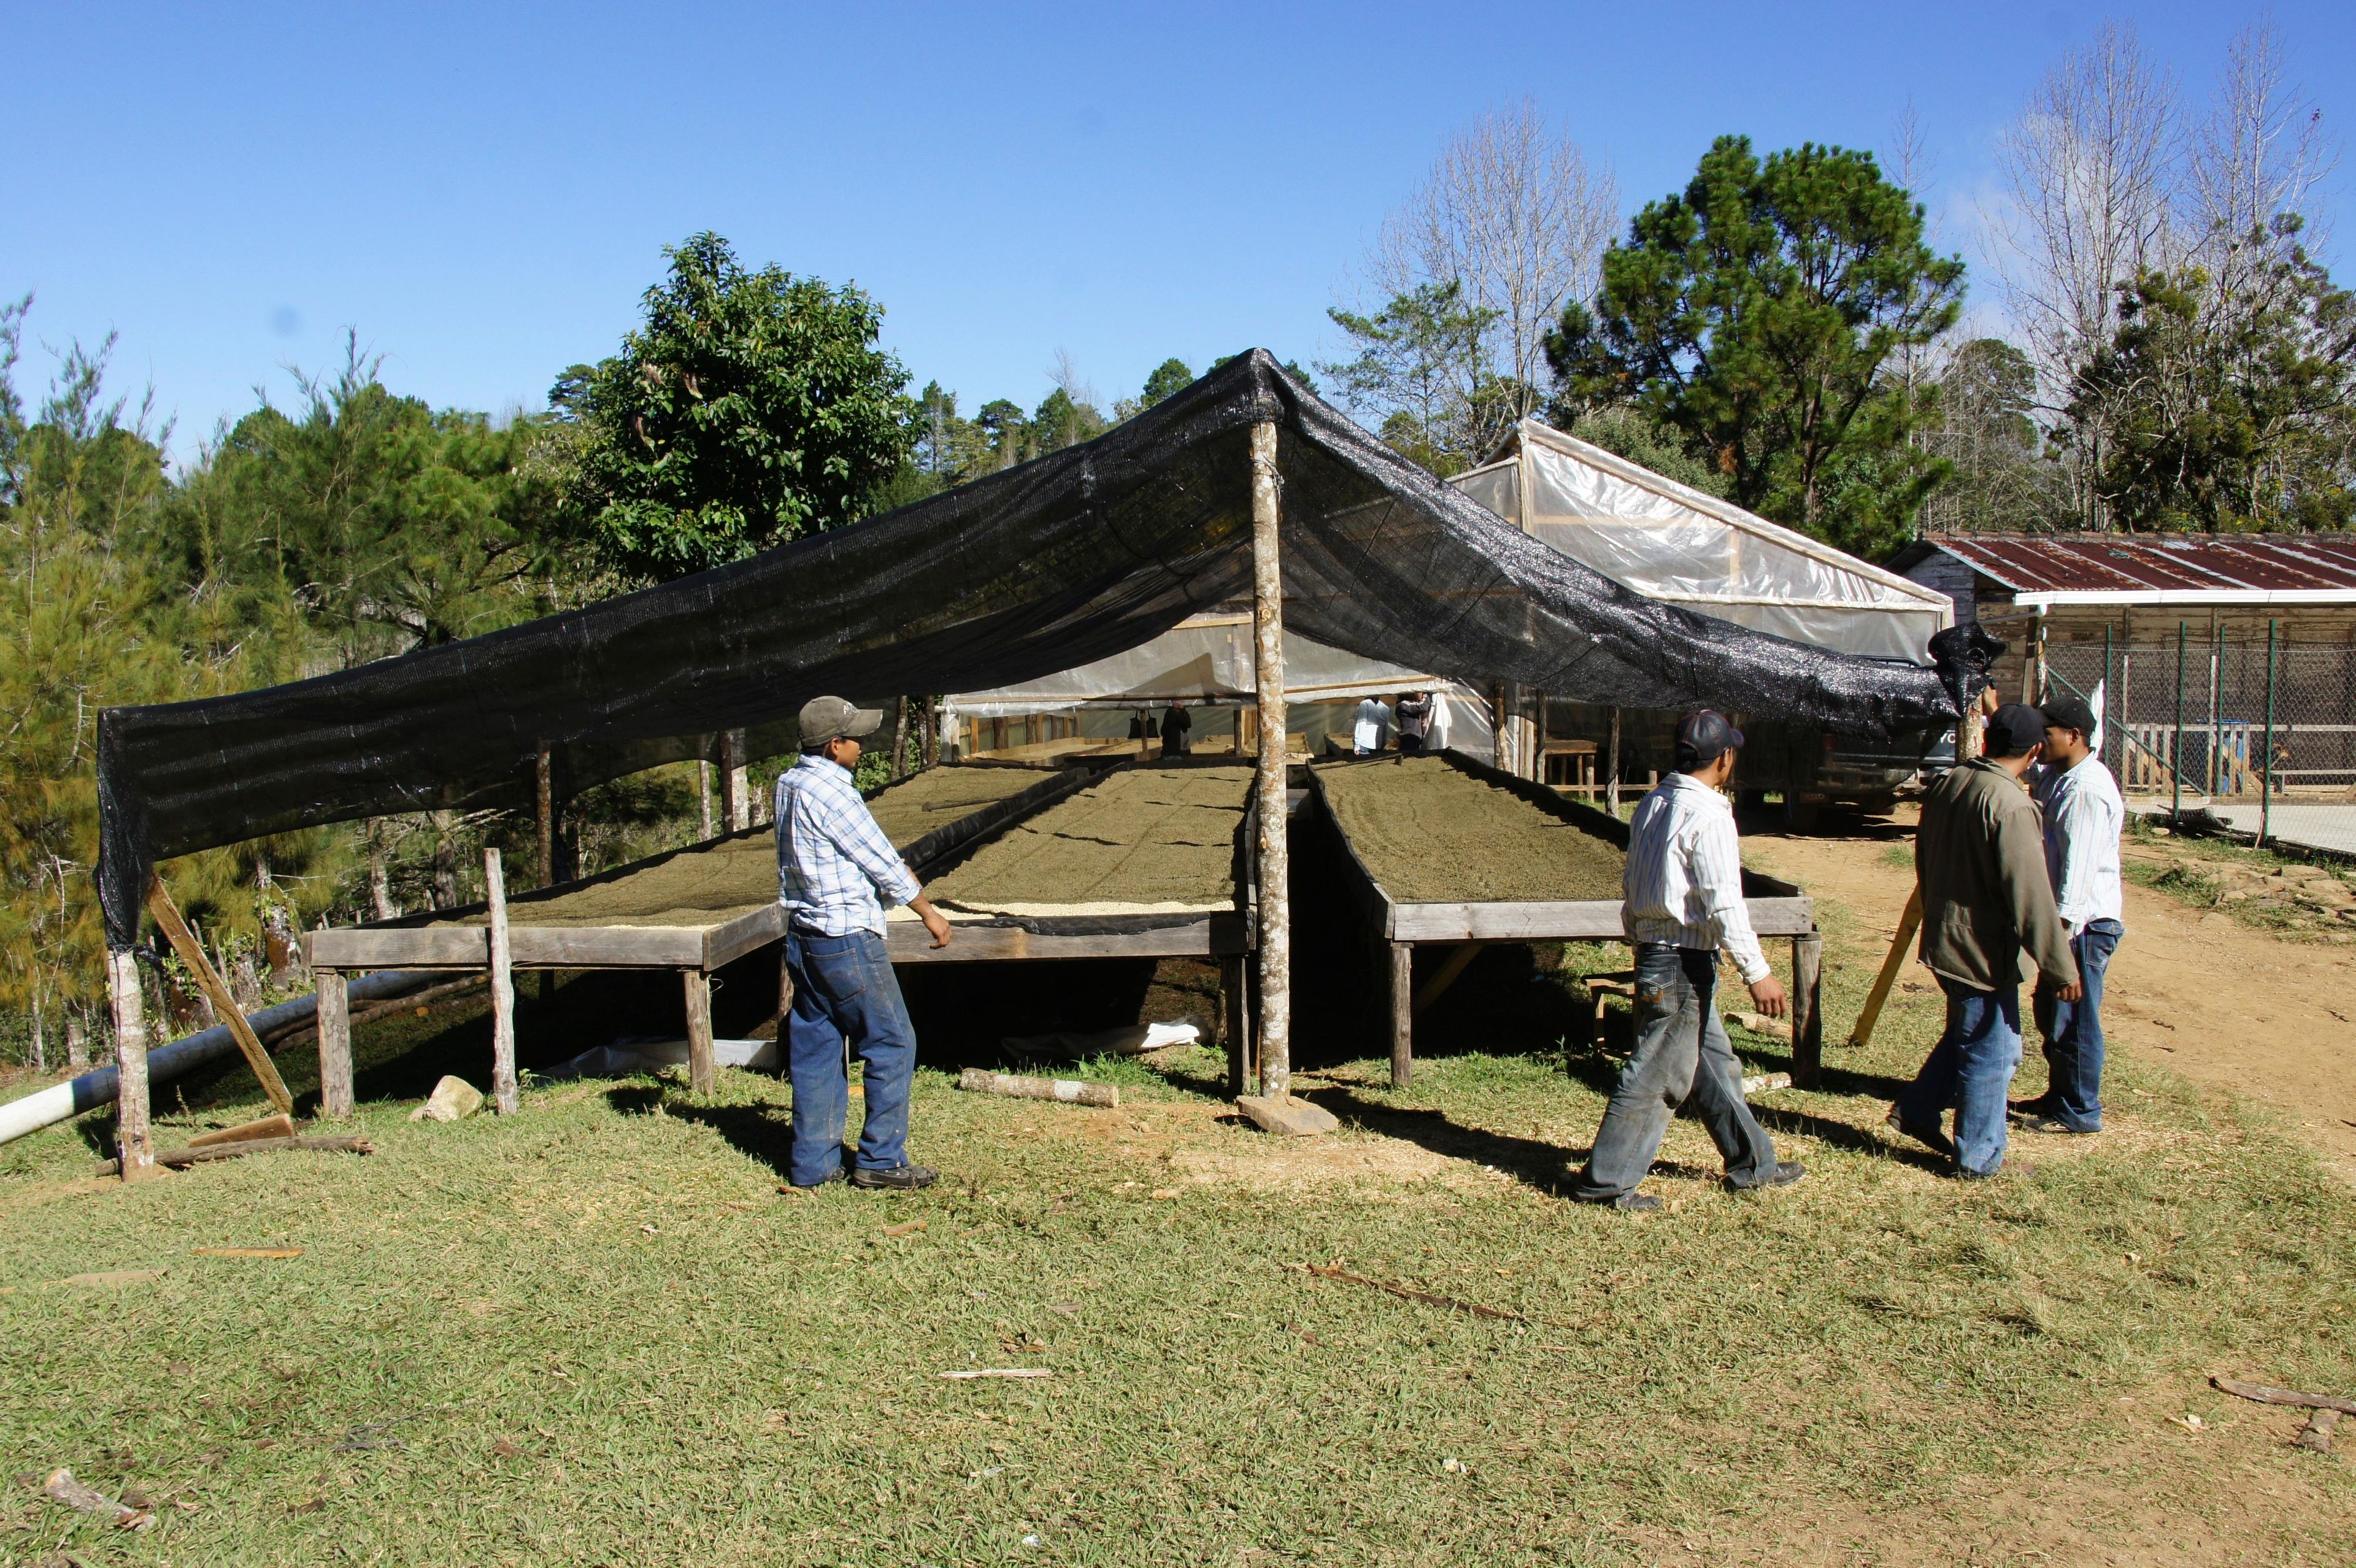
[[1683, 1058], [1970, 1070], [843, 986], [2073, 1032]]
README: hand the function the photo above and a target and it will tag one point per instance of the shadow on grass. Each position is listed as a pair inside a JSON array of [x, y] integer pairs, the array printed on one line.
[[1544, 1166]]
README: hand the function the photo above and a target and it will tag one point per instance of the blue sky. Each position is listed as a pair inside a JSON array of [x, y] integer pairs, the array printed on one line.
[[483, 191]]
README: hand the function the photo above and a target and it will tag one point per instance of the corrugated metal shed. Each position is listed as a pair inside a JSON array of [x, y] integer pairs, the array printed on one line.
[[2249, 569]]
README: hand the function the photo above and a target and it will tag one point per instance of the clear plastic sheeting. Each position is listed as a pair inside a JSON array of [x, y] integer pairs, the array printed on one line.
[[1674, 543], [1204, 656], [1055, 563]]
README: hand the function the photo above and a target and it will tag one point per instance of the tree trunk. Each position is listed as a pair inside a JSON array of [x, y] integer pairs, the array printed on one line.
[[446, 861], [380, 903]]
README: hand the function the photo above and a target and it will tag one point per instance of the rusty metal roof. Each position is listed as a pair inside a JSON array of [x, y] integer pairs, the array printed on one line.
[[2128, 567]]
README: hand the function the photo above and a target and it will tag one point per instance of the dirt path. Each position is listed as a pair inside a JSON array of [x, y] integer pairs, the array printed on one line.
[[2230, 1006]]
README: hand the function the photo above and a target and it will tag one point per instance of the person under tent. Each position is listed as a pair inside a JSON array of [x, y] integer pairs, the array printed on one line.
[[1414, 710], [1370, 729], [1177, 729]]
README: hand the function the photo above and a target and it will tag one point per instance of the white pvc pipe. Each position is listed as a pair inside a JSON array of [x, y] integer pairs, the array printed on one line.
[[45, 1107]]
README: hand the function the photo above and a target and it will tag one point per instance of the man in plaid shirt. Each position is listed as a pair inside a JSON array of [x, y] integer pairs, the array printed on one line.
[[836, 871]]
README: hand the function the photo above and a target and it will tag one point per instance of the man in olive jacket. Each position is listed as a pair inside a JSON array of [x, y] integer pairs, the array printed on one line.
[[1979, 856]]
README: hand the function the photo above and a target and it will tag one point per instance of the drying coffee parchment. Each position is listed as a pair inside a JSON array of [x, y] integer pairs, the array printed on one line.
[[708, 883], [1430, 833], [1144, 841]]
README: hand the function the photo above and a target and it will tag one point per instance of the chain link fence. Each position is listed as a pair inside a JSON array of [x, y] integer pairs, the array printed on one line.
[[2259, 732]]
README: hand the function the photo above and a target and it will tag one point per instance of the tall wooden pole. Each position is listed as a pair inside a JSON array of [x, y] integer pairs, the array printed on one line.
[[543, 801], [1268, 786], [503, 1040], [335, 1015], [135, 1142], [734, 803]]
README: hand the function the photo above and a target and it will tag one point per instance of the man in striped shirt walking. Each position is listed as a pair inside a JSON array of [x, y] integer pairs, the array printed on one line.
[[1683, 892], [836, 869]]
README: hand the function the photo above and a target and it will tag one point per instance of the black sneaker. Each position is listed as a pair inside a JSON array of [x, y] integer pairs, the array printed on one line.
[[833, 1176], [2042, 1122], [1930, 1137], [1785, 1173], [896, 1179]]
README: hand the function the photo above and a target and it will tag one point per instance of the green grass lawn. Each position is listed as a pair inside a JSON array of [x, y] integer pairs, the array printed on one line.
[[597, 1333]]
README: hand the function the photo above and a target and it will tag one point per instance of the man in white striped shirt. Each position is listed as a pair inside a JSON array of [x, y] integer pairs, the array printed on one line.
[[1684, 892], [2083, 818]]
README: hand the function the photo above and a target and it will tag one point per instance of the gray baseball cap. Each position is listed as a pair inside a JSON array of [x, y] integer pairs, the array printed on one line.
[[828, 719]]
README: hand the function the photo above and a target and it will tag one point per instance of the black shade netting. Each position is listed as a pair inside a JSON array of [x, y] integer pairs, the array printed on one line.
[[1061, 562]]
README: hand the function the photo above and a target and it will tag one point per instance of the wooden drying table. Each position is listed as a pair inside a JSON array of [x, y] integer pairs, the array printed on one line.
[[1097, 862], [693, 910], [1777, 909]]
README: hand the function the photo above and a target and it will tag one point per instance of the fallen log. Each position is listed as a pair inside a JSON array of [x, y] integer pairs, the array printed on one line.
[[278, 1126], [186, 1157], [2265, 1395], [1067, 1091]]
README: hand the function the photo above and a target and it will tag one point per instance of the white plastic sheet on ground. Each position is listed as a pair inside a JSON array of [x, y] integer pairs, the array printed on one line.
[[1670, 542]]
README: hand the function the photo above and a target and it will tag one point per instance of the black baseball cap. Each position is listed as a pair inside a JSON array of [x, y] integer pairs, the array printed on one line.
[[2013, 728], [2070, 712], [1706, 733]]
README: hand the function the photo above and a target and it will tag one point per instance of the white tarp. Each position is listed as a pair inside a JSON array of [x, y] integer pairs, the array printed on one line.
[[1209, 656], [1670, 542]]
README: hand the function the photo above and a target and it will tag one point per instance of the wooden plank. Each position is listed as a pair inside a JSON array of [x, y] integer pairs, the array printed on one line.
[[606, 946], [1595, 919], [334, 1015], [1233, 997], [344, 1144], [1402, 988], [184, 942], [703, 1072], [1201, 937], [1807, 1010], [746, 933], [399, 947], [135, 1132], [277, 1125], [1901, 942], [503, 1043]]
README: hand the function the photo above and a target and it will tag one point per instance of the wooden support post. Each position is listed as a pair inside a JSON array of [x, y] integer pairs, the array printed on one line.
[[703, 1072], [1907, 924], [1807, 1009], [1402, 966], [334, 1018], [734, 791], [503, 1038], [1445, 976], [1234, 988], [184, 942], [1611, 785], [544, 800], [1268, 787], [134, 1137], [703, 797]]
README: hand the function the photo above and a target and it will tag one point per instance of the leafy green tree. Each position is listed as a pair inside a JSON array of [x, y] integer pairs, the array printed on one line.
[[1756, 314], [2226, 409], [384, 524], [1169, 376], [2000, 477], [750, 408], [1422, 373], [1632, 434]]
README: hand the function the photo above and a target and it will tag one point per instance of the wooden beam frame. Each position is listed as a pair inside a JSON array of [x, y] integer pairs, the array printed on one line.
[[184, 942]]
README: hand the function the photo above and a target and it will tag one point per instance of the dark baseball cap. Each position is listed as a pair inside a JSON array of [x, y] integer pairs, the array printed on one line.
[[1703, 735], [2013, 728], [828, 719], [2068, 711]]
